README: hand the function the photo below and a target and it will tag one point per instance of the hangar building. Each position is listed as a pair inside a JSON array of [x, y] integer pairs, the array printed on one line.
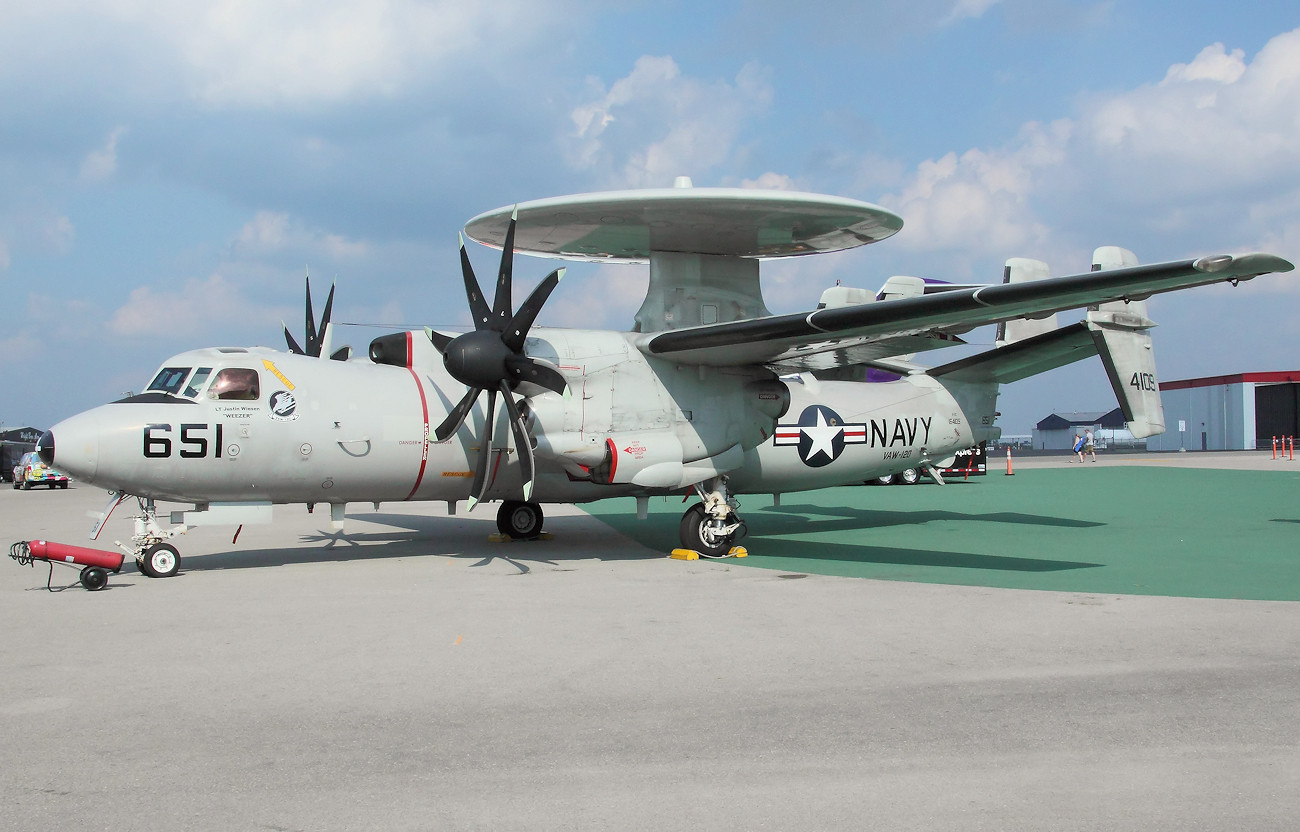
[[1056, 432], [1229, 413]]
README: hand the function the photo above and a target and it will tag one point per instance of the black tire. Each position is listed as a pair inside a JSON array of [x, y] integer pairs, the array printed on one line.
[[888, 479], [911, 476], [520, 520], [693, 533], [160, 560], [94, 578], [63, 485]]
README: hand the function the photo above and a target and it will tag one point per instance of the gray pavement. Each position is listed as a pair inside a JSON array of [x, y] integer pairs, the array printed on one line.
[[413, 675]]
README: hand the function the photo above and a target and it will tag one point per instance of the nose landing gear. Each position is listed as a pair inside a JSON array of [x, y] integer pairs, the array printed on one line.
[[154, 556]]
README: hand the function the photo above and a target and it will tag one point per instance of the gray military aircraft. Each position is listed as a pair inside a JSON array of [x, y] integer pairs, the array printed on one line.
[[709, 393]]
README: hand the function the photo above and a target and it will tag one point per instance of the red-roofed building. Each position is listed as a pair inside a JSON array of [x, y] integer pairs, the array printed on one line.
[[1234, 413]]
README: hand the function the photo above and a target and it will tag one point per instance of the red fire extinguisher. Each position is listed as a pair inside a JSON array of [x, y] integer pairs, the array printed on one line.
[[95, 563]]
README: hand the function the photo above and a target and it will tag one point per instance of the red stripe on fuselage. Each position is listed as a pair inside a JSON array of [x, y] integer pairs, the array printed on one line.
[[424, 406]]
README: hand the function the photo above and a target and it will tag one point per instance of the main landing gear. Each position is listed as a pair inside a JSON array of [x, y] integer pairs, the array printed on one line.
[[520, 520], [711, 527]]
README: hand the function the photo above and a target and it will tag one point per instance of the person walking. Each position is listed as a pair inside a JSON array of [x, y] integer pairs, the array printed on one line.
[[1089, 446], [1078, 447]]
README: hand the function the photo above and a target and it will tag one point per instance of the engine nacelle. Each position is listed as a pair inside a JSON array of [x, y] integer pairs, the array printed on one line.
[[652, 459]]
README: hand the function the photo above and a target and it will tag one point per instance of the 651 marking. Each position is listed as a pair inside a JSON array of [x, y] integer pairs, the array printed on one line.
[[194, 442]]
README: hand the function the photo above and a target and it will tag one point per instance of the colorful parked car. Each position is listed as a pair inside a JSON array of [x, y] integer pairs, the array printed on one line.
[[30, 471]]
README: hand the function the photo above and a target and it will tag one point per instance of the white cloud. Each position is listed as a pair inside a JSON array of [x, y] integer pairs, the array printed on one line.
[[771, 182], [246, 53], [1160, 160], [655, 124], [192, 308], [269, 232], [980, 201], [968, 9], [101, 164]]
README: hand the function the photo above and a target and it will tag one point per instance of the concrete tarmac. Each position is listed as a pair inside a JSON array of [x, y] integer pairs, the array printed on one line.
[[411, 676]]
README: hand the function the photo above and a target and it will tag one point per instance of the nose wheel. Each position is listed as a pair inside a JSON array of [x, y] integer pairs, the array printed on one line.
[[160, 560]]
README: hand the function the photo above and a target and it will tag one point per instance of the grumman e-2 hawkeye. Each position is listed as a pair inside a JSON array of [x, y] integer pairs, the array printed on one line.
[[709, 393]]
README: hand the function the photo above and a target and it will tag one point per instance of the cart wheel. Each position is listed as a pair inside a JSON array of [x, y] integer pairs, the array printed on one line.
[[94, 578], [161, 560]]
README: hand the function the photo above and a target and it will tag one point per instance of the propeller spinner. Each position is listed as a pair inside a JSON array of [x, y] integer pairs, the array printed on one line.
[[316, 339], [491, 359]]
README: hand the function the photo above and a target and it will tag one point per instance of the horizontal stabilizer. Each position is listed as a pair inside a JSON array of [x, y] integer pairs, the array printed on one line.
[[1025, 358]]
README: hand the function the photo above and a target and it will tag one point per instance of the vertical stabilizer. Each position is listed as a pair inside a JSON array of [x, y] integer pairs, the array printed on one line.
[[1121, 330], [1019, 270]]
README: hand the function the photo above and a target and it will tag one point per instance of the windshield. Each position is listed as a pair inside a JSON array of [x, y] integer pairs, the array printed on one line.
[[172, 380], [169, 380]]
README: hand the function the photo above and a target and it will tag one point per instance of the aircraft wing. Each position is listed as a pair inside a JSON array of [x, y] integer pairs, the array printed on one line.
[[853, 334]]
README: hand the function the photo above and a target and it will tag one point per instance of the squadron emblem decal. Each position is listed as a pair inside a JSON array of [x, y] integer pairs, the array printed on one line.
[[820, 434], [284, 407]]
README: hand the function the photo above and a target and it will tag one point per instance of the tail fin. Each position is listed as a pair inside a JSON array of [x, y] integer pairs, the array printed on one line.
[[1019, 270], [1122, 333], [1119, 332]]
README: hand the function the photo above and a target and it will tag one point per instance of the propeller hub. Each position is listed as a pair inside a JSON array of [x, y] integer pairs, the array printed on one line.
[[478, 359]]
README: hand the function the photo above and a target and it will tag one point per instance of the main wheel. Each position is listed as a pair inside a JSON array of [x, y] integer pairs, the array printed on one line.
[[94, 578], [160, 560], [911, 476], [696, 532], [887, 479], [519, 520]]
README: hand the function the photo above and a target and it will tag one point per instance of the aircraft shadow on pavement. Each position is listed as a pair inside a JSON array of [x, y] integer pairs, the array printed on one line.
[[771, 533], [850, 553], [787, 519], [425, 536]]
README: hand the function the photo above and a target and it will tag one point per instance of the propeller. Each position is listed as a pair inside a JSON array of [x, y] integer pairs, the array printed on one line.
[[491, 359], [317, 340]]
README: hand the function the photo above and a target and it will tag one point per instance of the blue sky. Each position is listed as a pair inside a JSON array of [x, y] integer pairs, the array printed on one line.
[[168, 170]]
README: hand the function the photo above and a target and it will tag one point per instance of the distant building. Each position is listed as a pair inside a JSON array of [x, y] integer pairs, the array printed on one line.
[[13, 444], [1056, 432], [1232, 413]]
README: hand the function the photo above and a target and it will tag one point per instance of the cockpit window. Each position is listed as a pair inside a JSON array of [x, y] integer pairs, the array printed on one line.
[[169, 380], [235, 383], [195, 386]]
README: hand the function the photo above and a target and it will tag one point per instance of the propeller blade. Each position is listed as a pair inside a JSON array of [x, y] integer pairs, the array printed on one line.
[[456, 417], [325, 316], [312, 346], [439, 340], [523, 320], [479, 487], [288, 339], [522, 443], [501, 307], [477, 306], [523, 368]]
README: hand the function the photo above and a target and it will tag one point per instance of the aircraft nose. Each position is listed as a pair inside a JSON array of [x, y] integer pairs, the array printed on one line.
[[77, 450], [45, 447]]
